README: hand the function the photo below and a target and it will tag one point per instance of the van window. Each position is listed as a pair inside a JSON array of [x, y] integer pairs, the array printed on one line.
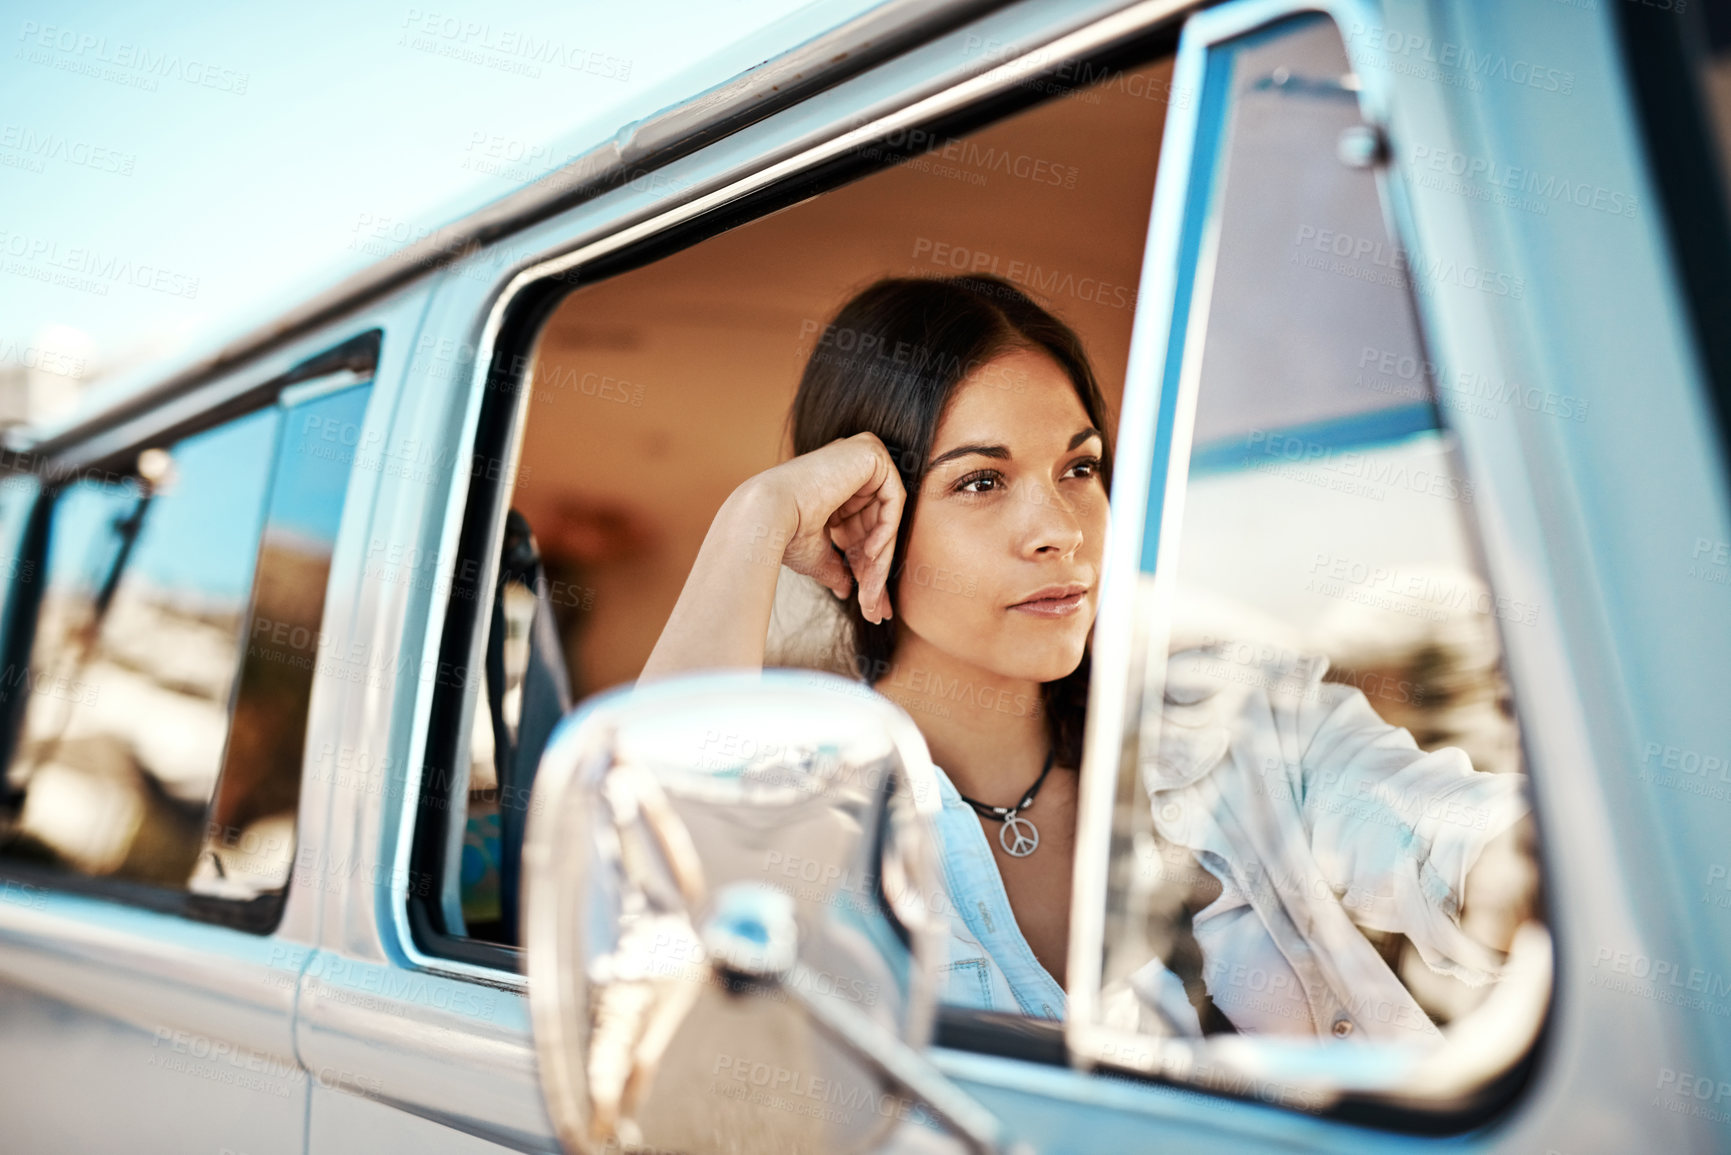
[[249, 828], [656, 391], [1323, 828], [134, 662], [175, 638]]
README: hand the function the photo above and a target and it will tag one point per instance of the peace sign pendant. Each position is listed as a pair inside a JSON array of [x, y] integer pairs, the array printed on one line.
[[1019, 837]]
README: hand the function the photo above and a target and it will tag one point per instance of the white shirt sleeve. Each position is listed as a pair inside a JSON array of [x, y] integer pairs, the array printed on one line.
[[1394, 828]]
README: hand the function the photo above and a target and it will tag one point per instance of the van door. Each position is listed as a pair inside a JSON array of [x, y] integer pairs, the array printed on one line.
[[1420, 419], [411, 1055]]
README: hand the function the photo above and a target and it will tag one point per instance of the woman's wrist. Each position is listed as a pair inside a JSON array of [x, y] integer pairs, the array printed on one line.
[[758, 519]]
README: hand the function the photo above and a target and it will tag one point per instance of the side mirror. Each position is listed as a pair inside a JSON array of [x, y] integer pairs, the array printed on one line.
[[732, 920]]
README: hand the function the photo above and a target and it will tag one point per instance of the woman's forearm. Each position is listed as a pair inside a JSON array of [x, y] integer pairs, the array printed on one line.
[[721, 619]]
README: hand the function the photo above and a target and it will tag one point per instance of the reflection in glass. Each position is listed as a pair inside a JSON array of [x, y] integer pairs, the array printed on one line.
[[133, 664], [249, 832], [165, 717], [1322, 826]]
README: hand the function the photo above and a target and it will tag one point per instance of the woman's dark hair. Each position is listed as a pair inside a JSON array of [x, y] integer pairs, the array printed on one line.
[[888, 364]]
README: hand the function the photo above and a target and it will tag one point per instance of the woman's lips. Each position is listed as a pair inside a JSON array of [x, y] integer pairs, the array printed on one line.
[[1052, 607]]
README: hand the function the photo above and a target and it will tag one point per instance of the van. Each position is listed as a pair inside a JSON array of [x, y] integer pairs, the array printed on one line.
[[328, 788]]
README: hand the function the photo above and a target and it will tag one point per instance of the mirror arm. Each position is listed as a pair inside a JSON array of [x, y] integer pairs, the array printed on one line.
[[752, 940], [976, 1126]]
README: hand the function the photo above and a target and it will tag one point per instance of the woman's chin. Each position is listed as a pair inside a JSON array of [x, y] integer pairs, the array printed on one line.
[[1057, 637], [1047, 663]]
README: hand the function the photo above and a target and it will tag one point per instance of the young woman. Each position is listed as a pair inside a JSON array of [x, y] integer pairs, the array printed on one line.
[[949, 484]]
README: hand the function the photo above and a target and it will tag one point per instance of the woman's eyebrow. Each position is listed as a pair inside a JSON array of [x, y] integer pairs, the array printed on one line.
[[999, 451], [1002, 452]]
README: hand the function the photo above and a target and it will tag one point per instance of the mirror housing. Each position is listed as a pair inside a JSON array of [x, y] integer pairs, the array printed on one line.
[[734, 919]]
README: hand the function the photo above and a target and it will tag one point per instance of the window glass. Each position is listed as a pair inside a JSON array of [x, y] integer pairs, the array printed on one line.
[[174, 645], [249, 832], [1323, 830], [18, 493], [134, 660]]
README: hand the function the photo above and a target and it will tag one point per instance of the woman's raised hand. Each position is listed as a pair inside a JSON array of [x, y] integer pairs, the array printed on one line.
[[845, 495]]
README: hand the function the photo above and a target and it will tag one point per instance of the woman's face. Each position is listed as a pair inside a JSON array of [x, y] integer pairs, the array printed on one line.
[[1002, 568]]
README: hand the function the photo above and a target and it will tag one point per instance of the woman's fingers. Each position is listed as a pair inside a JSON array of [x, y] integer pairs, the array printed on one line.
[[889, 521], [862, 561], [878, 555], [851, 497], [832, 571]]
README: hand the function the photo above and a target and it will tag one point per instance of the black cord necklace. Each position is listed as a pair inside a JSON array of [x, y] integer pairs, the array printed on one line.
[[1019, 837]]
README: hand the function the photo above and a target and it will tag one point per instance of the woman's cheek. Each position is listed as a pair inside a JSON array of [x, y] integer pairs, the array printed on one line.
[[1099, 515], [943, 585]]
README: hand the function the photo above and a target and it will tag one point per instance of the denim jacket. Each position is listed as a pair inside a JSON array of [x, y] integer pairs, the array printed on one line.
[[991, 966], [1316, 816]]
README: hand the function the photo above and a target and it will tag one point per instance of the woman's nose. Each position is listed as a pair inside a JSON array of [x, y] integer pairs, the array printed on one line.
[[1053, 524]]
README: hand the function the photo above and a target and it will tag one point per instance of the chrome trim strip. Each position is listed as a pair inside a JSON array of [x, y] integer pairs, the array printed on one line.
[[1138, 19], [320, 386]]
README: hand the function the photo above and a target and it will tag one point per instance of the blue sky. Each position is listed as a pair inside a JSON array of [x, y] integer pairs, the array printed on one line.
[[200, 537], [172, 174]]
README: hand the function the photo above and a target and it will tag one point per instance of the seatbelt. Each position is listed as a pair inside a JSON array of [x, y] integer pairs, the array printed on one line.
[[545, 698]]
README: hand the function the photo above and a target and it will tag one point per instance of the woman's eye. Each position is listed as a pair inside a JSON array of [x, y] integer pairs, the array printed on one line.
[[1088, 465], [969, 483]]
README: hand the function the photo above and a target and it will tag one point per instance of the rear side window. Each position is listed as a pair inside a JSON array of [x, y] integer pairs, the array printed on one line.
[[134, 660], [161, 712]]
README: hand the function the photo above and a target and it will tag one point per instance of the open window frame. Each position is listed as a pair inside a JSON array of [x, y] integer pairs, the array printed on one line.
[[1137, 35]]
